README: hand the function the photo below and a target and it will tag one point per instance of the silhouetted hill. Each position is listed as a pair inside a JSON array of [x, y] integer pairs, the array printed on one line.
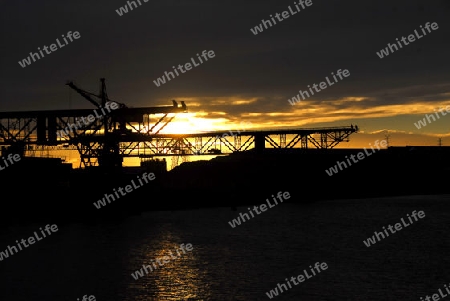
[[46, 188], [251, 177]]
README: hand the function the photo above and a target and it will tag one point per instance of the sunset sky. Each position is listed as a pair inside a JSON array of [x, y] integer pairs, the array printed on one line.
[[251, 76]]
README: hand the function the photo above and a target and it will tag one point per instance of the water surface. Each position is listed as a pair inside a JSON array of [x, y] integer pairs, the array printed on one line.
[[241, 263]]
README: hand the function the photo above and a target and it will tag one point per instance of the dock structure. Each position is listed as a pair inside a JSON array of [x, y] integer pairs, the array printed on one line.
[[226, 142], [105, 135]]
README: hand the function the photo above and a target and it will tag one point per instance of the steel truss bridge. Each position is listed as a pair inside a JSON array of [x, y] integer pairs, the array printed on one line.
[[110, 135]]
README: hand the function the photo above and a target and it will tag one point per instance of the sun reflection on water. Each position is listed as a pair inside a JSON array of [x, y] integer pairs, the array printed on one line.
[[177, 278]]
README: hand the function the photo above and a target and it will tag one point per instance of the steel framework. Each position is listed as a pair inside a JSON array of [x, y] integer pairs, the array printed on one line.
[[112, 134]]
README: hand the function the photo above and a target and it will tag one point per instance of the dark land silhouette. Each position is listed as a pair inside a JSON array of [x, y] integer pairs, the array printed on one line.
[[43, 188]]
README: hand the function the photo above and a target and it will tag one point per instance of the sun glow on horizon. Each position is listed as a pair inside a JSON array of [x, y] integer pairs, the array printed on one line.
[[189, 123]]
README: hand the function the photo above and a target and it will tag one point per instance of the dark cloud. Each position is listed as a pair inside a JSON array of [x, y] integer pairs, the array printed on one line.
[[133, 50]]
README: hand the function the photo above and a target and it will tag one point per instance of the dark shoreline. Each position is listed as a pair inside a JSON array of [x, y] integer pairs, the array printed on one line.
[[44, 190]]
